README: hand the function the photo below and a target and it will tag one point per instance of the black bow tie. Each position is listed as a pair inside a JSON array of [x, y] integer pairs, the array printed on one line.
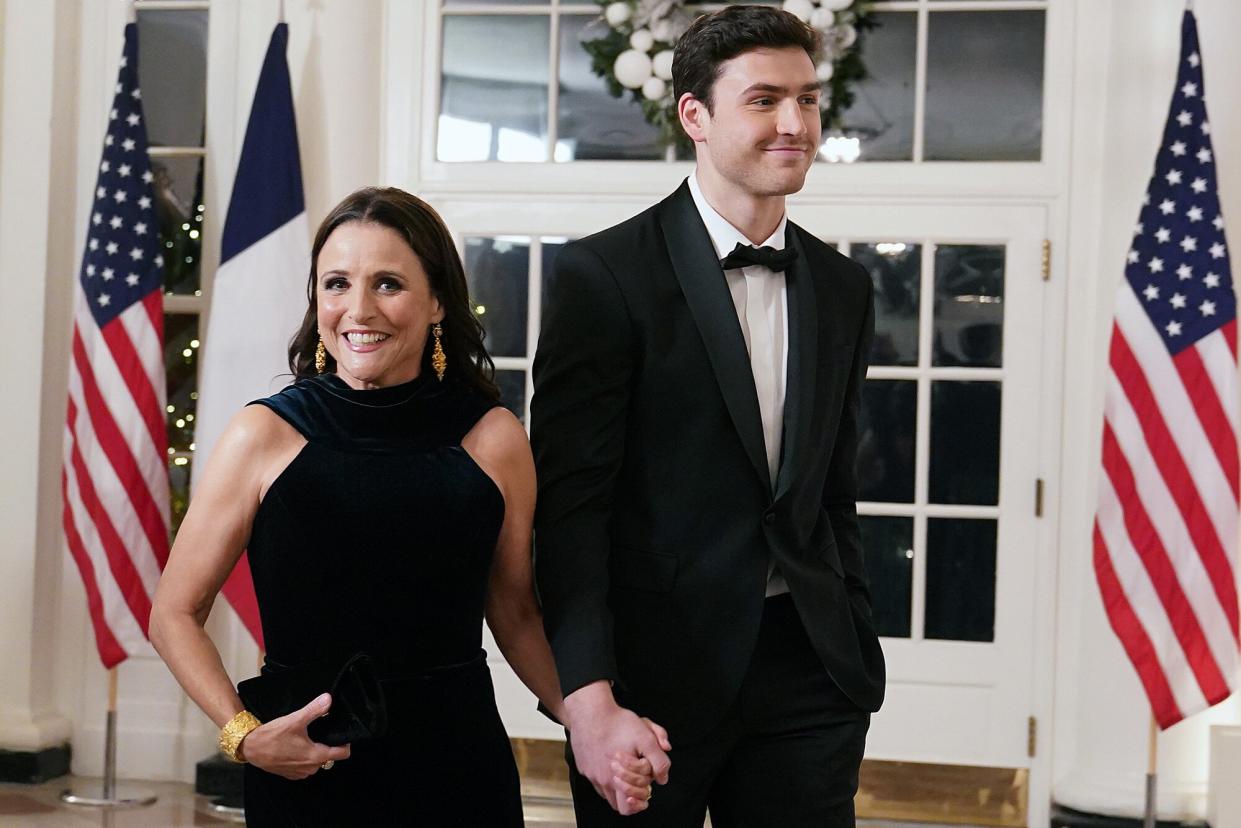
[[744, 255]]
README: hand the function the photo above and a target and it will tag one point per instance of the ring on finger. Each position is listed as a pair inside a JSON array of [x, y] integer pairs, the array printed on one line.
[[650, 791], [329, 764]]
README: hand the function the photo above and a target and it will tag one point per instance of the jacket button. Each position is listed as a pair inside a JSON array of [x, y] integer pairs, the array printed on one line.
[[769, 518]]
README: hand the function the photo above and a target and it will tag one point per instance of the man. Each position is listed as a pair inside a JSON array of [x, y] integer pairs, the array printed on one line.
[[694, 423]]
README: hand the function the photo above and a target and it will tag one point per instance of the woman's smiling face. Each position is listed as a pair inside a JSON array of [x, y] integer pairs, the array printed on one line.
[[375, 305]]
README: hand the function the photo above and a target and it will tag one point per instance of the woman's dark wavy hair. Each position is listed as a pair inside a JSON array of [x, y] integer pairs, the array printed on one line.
[[423, 230]]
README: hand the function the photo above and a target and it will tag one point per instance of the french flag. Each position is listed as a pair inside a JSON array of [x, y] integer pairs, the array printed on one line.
[[258, 297]]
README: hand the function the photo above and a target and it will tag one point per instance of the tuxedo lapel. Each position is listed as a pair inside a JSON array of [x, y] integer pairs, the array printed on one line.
[[706, 292], [803, 346]]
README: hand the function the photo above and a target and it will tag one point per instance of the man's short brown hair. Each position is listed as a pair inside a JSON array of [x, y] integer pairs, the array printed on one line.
[[715, 38]]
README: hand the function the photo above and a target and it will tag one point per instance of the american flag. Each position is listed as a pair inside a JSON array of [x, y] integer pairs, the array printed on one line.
[[114, 479], [1165, 534]]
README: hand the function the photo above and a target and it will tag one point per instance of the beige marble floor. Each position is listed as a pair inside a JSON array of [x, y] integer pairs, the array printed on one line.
[[39, 806]]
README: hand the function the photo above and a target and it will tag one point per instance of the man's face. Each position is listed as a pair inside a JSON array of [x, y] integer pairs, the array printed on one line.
[[764, 131]]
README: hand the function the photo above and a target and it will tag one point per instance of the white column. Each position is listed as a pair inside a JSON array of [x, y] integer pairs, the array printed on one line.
[[36, 126]]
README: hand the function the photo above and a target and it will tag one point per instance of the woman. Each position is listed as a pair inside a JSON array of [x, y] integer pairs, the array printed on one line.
[[386, 501]]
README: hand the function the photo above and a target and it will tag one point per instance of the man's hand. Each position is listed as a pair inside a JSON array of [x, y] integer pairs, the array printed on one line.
[[606, 739]]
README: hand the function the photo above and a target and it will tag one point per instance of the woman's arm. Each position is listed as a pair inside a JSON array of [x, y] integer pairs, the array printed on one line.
[[209, 542], [499, 445], [253, 450]]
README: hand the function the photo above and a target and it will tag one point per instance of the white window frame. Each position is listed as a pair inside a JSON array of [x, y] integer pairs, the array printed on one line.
[[419, 92]]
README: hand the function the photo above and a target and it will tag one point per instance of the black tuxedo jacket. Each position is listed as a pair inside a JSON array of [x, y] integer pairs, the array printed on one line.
[[656, 519]]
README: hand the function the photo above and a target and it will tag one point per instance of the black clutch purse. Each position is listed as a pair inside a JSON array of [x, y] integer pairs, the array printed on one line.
[[358, 709]]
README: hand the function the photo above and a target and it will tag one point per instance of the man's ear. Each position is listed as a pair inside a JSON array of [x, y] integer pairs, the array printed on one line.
[[694, 117]]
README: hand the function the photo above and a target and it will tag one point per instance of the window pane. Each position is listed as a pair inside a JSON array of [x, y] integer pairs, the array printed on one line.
[[181, 363], [889, 546], [984, 86], [882, 114], [513, 392], [178, 189], [498, 274], [895, 269], [885, 456], [551, 246], [960, 579], [172, 75], [592, 125], [965, 443], [493, 102], [969, 305]]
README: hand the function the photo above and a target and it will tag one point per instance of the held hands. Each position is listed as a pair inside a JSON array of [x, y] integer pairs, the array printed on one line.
[[620, 753], [282, 747]]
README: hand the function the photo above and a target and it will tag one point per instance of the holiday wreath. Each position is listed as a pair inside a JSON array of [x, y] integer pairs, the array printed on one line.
[[635, 54]]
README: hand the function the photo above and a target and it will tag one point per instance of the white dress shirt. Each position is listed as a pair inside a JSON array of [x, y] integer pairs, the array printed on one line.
[[763, 293]]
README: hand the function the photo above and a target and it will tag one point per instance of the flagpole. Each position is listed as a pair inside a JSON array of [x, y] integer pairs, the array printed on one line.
[[110, 798], [1151, 776], [109, 746]]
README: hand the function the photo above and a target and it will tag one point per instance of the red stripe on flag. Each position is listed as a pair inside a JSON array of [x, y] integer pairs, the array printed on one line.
[[1179, 482], [154, 304], [109, 436], [1154, 557], [110, 650], [123, 570], [1133, 637], [1210, 412], [1229, 330], [136, 380]]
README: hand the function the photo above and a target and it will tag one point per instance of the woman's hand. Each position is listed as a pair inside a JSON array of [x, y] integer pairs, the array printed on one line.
[[282, 747], [632, 781]]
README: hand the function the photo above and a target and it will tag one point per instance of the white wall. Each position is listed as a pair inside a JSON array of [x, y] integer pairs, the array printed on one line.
[[1127, 51]]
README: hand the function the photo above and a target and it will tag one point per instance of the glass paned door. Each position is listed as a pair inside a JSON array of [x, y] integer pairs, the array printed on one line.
[[947, 463]]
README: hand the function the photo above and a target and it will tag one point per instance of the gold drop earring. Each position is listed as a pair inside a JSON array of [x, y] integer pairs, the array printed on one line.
[[320, 357], [438, 361]]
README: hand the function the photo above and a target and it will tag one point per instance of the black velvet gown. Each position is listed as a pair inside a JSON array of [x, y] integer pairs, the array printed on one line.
[[378, 537]]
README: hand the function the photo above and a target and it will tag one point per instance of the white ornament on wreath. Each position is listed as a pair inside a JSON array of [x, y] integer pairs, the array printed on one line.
[[835, 5], [822, 18], [802, 9], [661, 64], [617, 14], [846, 36], [642, 40], [654, 89], [632, 68]]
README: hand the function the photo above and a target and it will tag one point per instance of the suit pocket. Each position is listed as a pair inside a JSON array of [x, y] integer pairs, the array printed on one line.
[[636, 569]]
